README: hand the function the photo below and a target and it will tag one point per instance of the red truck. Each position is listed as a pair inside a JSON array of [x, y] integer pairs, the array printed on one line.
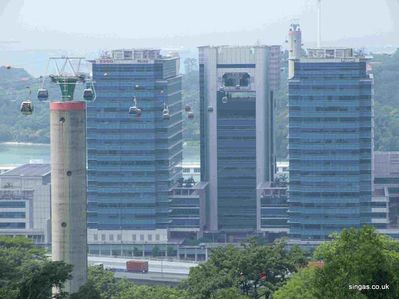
[[137, 266]]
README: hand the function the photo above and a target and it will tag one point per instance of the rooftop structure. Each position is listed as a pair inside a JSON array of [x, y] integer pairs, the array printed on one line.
[[331, 53], [29, 170]]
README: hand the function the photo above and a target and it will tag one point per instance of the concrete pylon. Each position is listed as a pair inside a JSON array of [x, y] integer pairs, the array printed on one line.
[[68, 188]]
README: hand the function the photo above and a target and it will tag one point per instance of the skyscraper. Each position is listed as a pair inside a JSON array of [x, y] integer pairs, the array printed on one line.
[[134, 139], [236, 127], [330, 143]]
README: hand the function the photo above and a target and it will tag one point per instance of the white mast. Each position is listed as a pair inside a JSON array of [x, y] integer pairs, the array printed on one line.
[[318, 23]]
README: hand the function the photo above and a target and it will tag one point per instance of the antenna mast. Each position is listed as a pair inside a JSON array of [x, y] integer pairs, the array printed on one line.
[[318, 23]]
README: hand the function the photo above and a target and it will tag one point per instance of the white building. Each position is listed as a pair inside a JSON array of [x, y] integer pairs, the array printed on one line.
[[25, 202]]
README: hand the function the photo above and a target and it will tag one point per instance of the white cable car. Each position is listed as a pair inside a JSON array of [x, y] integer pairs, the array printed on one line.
[[133, 109], [165, 112]]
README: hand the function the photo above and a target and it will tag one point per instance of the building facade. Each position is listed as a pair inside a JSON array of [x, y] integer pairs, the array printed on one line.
[[133, 159], [25, 208], [236, 131], [386, 180], [330, 144]]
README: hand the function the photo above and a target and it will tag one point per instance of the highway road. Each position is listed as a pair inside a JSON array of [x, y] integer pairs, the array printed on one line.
[[154, 266]]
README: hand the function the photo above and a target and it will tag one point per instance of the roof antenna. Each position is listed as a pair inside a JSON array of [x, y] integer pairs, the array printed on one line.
[[318, 23]]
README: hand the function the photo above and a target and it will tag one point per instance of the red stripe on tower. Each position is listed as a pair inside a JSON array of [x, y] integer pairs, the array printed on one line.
[[67, 106]]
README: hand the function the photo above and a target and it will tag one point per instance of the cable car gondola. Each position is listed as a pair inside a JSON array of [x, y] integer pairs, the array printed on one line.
[[88, 94], [133, 109], [165, 113], [187, 108], [190, 115], [26, 107], [42, 94]]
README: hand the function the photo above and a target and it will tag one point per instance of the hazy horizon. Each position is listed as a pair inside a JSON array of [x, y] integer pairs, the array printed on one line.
[[91, 25], [44, 27]]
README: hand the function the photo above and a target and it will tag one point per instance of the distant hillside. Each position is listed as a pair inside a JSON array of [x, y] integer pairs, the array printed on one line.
[[386, 76], [15, 84], [16, 127]]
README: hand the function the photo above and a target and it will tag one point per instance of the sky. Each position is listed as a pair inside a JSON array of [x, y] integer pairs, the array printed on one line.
[[41, 24]]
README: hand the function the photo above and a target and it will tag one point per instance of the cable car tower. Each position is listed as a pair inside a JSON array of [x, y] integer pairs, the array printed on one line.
[[68, 166]]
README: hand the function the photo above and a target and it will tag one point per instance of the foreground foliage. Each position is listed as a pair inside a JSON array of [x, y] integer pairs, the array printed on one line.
[[103, 285], [353, 261], [253, 270], [26, 272], [346, 267]]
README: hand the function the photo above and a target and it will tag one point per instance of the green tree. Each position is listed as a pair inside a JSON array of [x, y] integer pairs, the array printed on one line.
[[358, 257], [151, 292], [299, 286], [255, 270], [155, 251], [102, 284], [353, 260], [87, 291], [231, 293], [26, 272]]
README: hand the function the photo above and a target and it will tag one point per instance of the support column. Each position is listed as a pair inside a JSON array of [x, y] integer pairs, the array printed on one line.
[[68, 188]]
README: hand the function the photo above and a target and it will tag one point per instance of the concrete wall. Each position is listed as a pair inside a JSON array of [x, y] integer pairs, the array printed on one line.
[[68, 188]]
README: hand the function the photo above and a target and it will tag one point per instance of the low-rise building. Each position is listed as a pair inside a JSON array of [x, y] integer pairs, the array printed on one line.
[[25, 202]]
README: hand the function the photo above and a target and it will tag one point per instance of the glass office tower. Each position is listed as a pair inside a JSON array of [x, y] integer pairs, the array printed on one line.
[[236, 126], [330, 144], [133, 148]]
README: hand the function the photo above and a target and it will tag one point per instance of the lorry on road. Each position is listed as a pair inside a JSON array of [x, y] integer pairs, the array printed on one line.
[[137, 266]]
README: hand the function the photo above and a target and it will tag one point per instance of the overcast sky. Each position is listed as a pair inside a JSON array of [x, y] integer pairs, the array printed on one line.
[[89, 24]]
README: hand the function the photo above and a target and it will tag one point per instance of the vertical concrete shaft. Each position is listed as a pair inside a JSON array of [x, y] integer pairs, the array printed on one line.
[[68, 188]]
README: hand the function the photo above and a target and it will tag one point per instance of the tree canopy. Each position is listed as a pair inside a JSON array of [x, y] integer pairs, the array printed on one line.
[[26, 272], [353, 263], [254, 270]]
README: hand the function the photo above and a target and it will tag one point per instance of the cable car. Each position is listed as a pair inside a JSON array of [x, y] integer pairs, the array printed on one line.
[[190, 115], [210, 109], [187, 108], [224, 100], [133, 110], [165, 113], [26, 107], [42, 94], [88, 94], [138, 112]]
